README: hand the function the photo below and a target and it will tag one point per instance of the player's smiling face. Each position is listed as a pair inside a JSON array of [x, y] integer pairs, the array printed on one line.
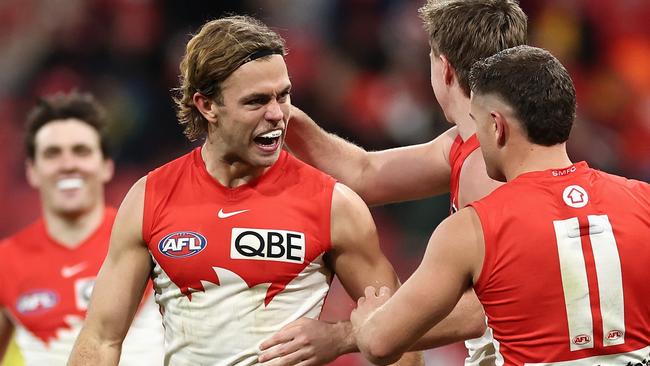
[[252, 120], [69, 169]]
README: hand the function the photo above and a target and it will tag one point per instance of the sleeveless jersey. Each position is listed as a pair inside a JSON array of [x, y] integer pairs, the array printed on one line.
[[480, 350], [565, 275], [45, 288], [234, 265], [460, 150]]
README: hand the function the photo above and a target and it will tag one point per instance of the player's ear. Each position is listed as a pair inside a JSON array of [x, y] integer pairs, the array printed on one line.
[[30, 172], [500, 125], [448, 70], [108, 169], [205, 106]]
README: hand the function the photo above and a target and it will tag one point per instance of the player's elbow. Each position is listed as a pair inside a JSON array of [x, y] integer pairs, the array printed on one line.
[[379, 351]]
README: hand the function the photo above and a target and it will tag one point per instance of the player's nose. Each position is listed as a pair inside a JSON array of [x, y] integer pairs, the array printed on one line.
[[274, 112]]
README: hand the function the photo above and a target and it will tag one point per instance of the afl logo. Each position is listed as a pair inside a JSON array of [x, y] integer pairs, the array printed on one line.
[[614, 335], [581, 339], [182, 244], [37, 301]]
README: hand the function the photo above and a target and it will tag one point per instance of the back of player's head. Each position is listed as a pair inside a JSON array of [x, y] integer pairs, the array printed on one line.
[[219, 48], [536, 85], [465, 31], [74, 105]]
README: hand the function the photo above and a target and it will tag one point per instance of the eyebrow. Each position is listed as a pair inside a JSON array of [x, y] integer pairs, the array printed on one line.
[[471, 116], [263, 95]]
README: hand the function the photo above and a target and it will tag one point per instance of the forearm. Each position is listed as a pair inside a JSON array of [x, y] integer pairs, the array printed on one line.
[[343, 331], [466, 321], [91, 351]]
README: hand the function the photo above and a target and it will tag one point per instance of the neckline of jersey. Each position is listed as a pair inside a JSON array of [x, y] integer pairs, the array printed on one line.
[[108, 213], [269, 176], [554, 173]]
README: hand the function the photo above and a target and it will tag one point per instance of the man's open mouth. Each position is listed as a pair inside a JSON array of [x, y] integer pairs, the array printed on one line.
[[269, 139]]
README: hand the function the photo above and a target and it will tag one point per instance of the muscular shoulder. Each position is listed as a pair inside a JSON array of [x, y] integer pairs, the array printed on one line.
[[350, 217], [461, 236], [130, 214]]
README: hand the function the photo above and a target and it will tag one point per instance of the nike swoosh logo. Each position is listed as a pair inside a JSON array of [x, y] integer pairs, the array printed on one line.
[[69, 271], [225, 215]]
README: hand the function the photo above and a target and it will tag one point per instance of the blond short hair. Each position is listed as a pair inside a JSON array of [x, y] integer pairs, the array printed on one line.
[[466, 31]]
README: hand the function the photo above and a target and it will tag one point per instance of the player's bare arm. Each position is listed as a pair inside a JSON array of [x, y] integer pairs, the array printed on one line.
[[466, 321], [358, 262], [6, 330], [380, 177], [452, 262], [119, 287]]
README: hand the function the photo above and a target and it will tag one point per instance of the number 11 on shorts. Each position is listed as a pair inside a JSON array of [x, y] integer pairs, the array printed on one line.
[[576, 287]]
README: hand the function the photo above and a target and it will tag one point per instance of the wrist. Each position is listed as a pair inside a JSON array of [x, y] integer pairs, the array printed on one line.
[[345, 332]]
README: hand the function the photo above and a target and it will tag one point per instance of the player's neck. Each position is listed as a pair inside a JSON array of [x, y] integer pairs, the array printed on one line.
[[72, 230], [532, 158], [229, 172], [458, 112]]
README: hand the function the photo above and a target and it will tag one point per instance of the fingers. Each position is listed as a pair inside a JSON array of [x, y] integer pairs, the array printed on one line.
[[371, 292], [284, 335], [284, 354], [295, 352]]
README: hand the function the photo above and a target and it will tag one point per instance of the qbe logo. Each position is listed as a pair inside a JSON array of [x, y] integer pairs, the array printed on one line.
[[182, 244], [272, 245], [83, 289]]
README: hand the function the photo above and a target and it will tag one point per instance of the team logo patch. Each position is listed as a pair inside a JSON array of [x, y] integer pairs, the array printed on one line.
[[575, 196], [613, 335], [37, 301], [581, 339], [270, 245], [182, 244]]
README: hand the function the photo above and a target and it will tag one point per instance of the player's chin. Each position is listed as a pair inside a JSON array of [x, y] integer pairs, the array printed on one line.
[[71, 208], [267, 161], [266, 157]]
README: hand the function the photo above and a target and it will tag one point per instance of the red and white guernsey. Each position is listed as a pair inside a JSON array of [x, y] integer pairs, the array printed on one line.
[[459, 151], [480, 350], [234, 265], [45, 288], [565, 278]]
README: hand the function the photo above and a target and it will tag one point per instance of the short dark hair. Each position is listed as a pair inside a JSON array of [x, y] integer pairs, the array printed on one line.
[[536, 85], [81, 106], [465, 31]]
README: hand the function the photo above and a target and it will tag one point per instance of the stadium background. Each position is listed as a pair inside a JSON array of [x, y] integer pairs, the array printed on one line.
[[359, 67]]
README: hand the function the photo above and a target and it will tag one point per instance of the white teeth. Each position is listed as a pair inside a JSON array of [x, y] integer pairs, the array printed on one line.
[[272, 134], [69, 183]]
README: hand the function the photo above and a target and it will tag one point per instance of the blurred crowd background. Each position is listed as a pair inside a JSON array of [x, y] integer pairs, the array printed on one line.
[[359, 67]]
